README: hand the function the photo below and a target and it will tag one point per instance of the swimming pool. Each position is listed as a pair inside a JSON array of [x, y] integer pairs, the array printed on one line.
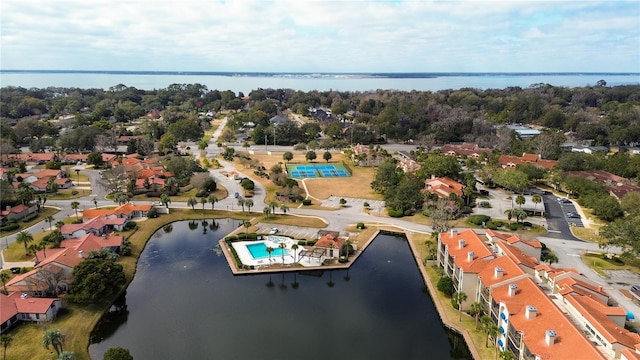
[[259, 251]]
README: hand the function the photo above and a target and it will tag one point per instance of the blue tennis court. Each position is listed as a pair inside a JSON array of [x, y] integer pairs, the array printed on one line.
[[311, 171]]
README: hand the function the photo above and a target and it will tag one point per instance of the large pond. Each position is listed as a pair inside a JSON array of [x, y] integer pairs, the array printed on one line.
[[184, 303]]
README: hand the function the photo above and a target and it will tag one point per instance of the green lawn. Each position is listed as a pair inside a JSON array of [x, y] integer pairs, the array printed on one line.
[[597, 263], [44, 212]]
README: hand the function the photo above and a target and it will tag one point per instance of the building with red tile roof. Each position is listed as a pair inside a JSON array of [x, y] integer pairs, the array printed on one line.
[[525, 262], [18, 307], [465, 150], [531, 324], [98, 226], [331, 243], [409, 165], [605, 323], [16, 212], [128, 210], [29, 158], [618, 186], [532, 248], [509, 161], [444, 187], [53, 272]]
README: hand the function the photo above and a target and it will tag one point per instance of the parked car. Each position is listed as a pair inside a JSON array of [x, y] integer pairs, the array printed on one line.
[[564, 201], [274, 231], [573, 215], [236, 195]]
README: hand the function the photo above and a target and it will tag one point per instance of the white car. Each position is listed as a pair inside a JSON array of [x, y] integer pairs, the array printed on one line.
[[274, 231]]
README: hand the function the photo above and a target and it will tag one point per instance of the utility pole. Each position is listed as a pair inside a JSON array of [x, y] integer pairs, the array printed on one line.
[[265, 143]]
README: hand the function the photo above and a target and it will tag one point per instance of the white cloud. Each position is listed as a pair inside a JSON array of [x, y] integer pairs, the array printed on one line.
[[348, 36]]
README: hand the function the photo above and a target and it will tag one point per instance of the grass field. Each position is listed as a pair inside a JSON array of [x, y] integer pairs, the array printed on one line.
[[358, 185], [597, 263]]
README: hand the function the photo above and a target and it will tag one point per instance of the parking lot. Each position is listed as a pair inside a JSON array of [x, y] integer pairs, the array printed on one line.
[[297, 232], [570, 212]]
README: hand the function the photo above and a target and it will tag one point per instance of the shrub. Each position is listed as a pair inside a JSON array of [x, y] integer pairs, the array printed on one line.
[[74, 192], [153, 213], [312, 242], [454, 303], [306, 202], [478, 219], [408, 212], [360, 225], [445, 285], [30, 217], [302, 242], [130, 226], [395, 213], [366, 204], [514, 226], [493, 225], [10, 227]]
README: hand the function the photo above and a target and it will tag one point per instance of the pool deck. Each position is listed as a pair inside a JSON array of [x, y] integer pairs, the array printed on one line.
[[276, 261]]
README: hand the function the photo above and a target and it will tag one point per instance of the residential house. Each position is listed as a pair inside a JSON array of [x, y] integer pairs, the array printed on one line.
[[19, 306], [278, 120], [618, 186], [409, 165], [29, 158], [510, 162], [364, 155], [16, 212], [52, 274], [590, 149], [128, 210], [99, 225], [465, 150], [444, 187]]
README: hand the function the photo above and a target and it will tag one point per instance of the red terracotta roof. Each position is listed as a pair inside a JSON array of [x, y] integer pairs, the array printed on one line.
[[509, 270], [592, 310], [518, 256], [8, 308], [31, 305], [444, 186], [471, 243], [569, 338]]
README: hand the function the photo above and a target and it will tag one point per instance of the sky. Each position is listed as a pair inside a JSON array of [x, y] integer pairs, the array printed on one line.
[[321, 36]]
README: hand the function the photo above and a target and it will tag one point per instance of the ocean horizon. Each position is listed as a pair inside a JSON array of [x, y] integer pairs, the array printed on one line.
[[307, 81]]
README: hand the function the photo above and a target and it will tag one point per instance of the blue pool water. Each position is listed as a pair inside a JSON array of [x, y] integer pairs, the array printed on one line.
[[259, 251]]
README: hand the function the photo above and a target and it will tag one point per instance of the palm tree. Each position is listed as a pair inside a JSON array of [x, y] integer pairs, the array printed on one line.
[[4, 277], [192, 202], [509, 213], [489, 328], [203, 201], [56, 238], [49, 219], [347, 248], [520, 200], [25, 238], [520, 215], [75, 205], [33, 249], [241, 203], [53, 338], [269, 250], [213, 200], [282, 246], [5, 340], [536, 199], [247, 225], [331, 247], [284, 208], [294, 247], [273, 205], [59, 224], [460, 297], [170, 183], [165, 199], [43, 246], [476, 311], [249, 204], [266, 211]]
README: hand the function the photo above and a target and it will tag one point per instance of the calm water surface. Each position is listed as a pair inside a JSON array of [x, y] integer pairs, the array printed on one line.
[[184, 303], [323, 83]]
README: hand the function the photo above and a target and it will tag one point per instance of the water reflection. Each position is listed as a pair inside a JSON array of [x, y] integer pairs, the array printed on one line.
[[185, 303]]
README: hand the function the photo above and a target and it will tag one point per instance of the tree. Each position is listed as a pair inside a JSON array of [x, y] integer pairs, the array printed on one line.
[[192, 202], [519, 214], [489, 328], [510, 213], [75, 205], [476, 309], [95, 159], [445, 285], [294, 247], [326, 156], [520, 200], [282, 246], [67, 355], [95, 279], [506, 355], [287, 156], [310, 155], [5, 341], [460, 297], [284, 208], [249, 204], [387, 177], [625, 233], [266, 211], [49, 219], [269, 251], [53, 338], [117, 353], [5, 275], [241, 202], [165, 200], [203, 201], [247, 225], [25, 238], [536, 199], [213, 200]]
